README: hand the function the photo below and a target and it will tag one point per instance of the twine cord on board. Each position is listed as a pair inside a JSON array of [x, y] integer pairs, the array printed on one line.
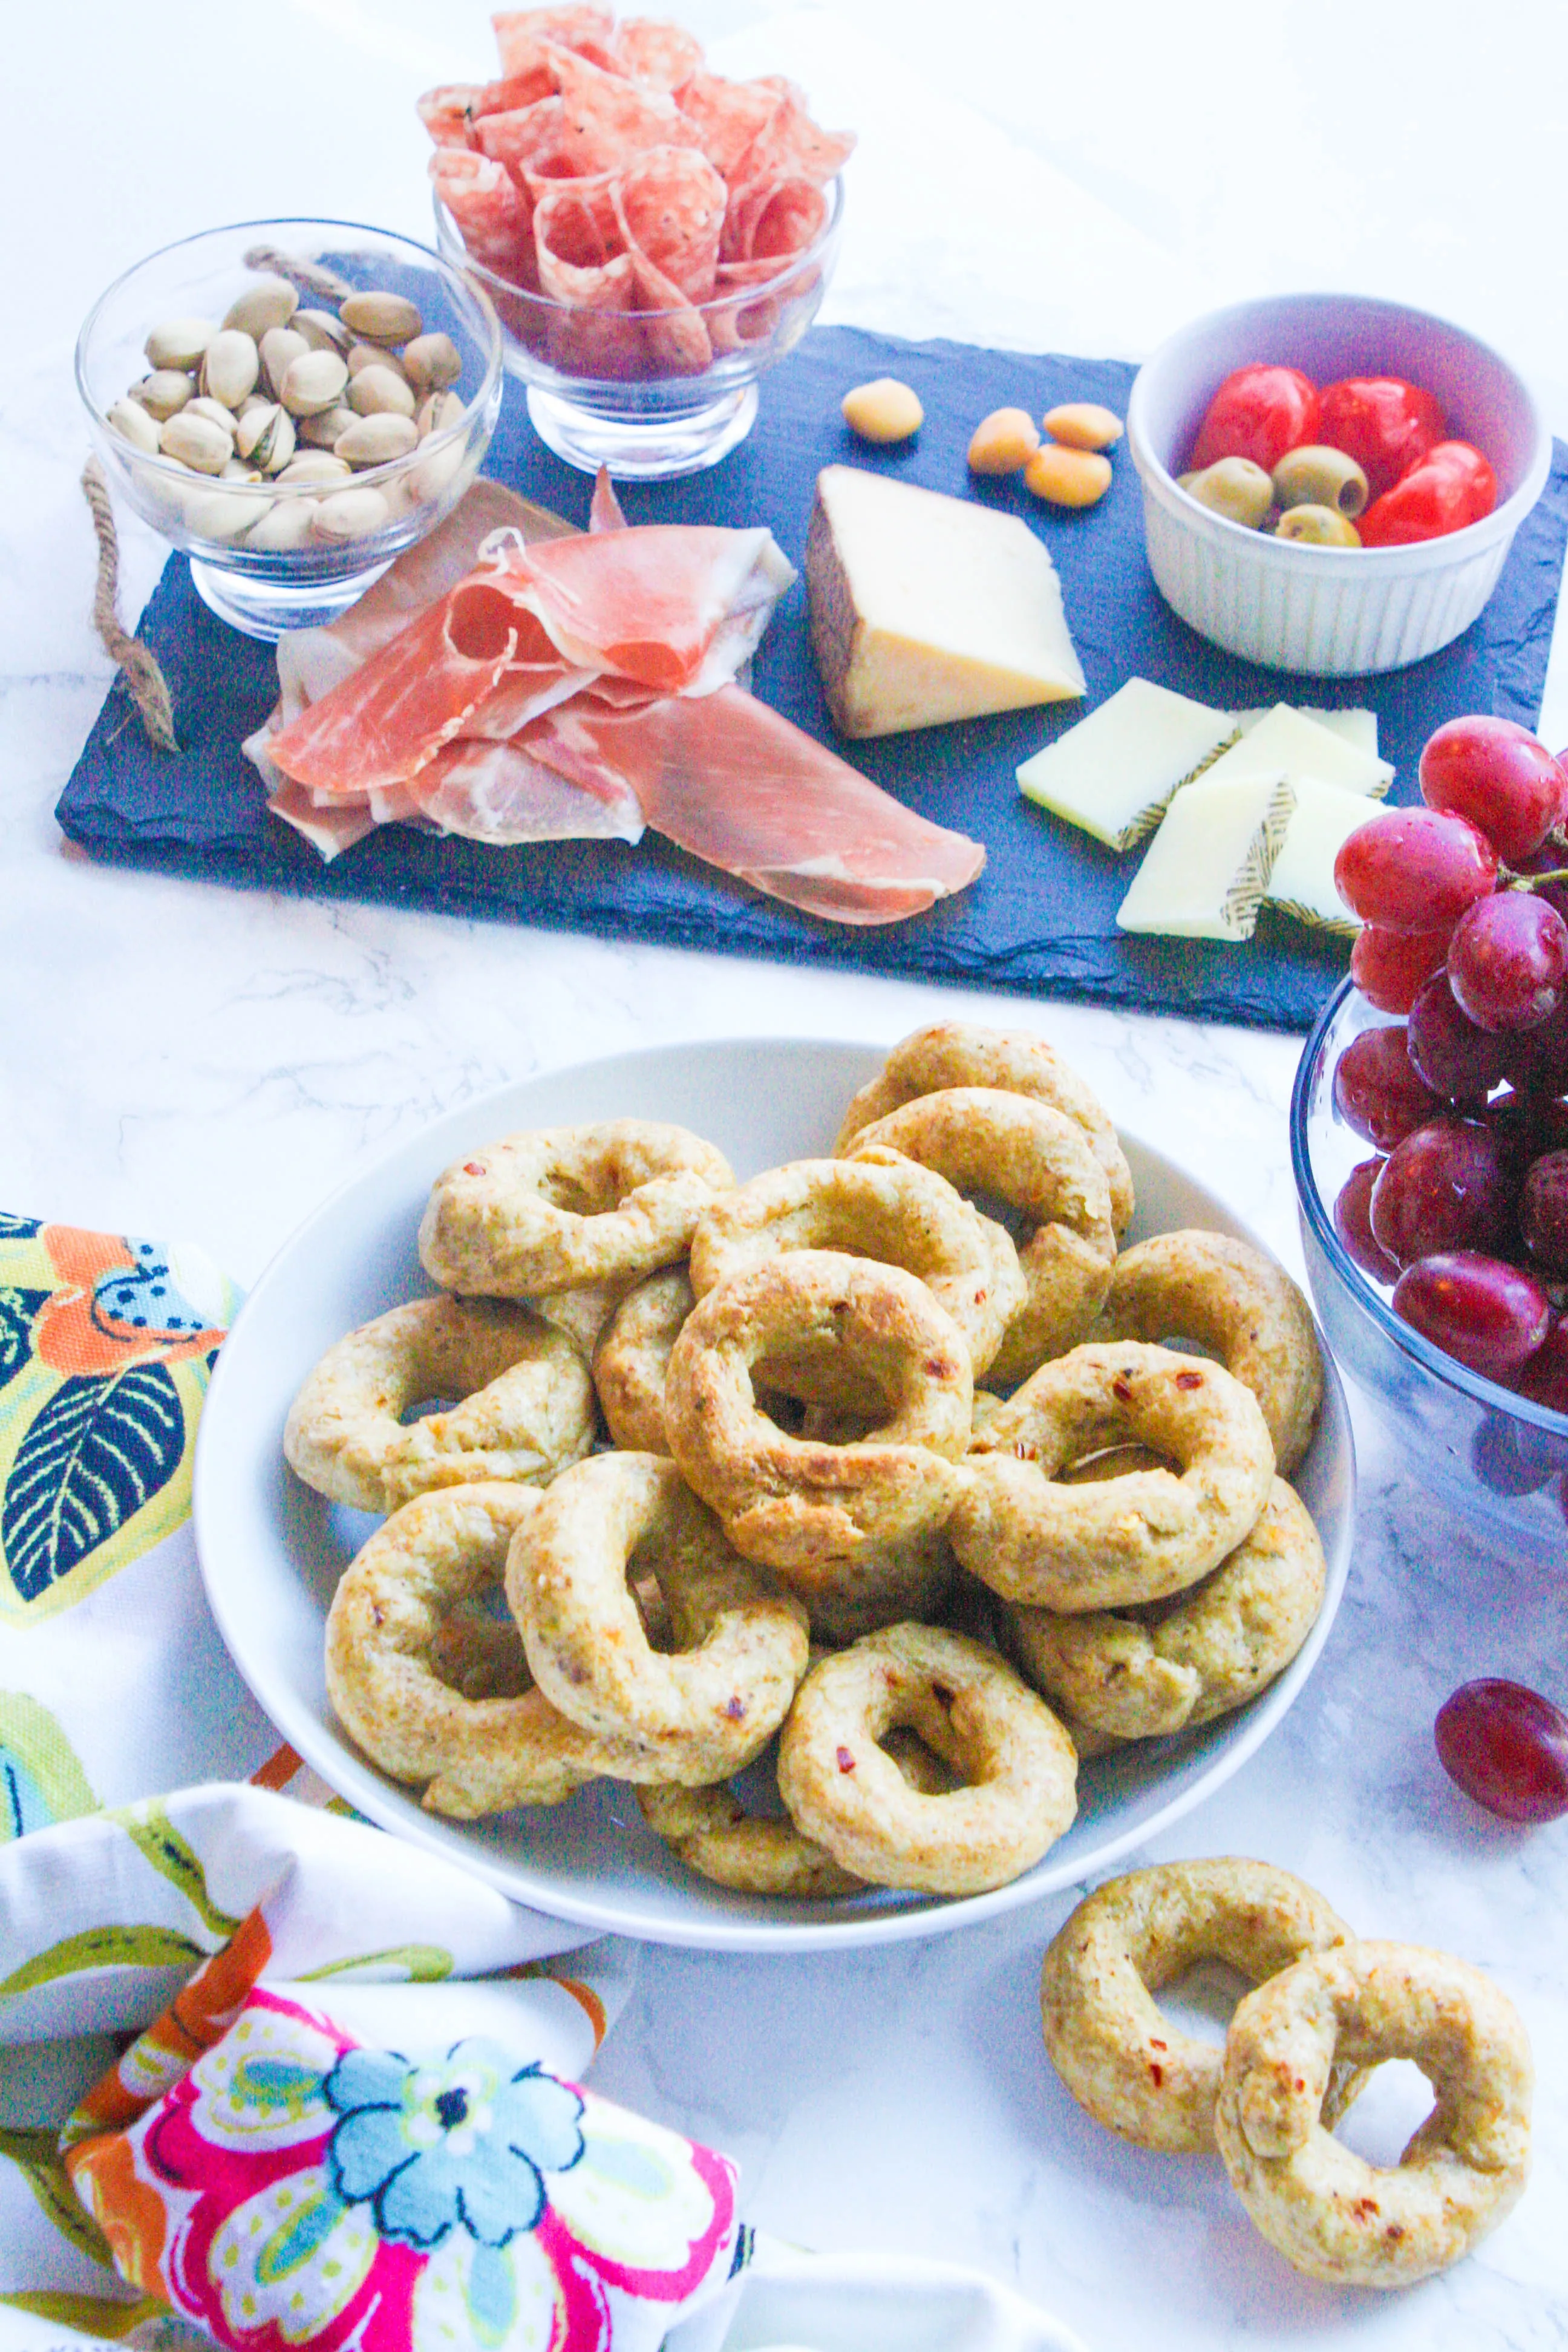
[[138, 664]]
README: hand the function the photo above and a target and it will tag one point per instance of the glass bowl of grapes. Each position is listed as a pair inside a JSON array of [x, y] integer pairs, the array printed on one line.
[[1429, 1131]]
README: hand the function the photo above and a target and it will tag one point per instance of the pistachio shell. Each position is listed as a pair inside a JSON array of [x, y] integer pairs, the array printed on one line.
[[179, 343], [163, 393], [376, 391], [376, 440], [442, 409], [222, 515], [284, 526], [214, 411], [230, 365], [322, 332], [350, 514], [435, 474], [136, 425], [280, 347], [270, 302], [432, 361], [381, 318], [320, 431], [364, 355], [197, 442], [266, 436], [237, 470], [313, 382], [316, 467]]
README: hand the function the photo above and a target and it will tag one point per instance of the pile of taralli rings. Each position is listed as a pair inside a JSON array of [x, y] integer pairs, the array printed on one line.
[[808, 1519], [1325, 2011]]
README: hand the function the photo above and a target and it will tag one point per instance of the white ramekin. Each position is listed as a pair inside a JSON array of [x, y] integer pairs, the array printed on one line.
[[1331, 612]]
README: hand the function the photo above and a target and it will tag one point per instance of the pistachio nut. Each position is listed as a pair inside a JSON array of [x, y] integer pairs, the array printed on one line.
[[270, 302], [179, 343], [163, 393], [237, 470], [432, 361], [280, 347], [349, 514], [376, 391], [213, 410], [441, 410], [230, 365], [222, 515], [379, 318], [313, 382], [322, 332], [196, 441], [316, 466], [136, 425], [434, 474], [284, 526], [364, 355], [265, 436], [376, 440], [320, 432]]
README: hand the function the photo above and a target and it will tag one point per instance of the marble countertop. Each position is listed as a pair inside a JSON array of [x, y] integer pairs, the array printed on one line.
[[184, 1059]]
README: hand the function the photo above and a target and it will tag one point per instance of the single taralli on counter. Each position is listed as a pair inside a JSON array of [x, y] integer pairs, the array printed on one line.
[[801, 1461], [1326, 2010]]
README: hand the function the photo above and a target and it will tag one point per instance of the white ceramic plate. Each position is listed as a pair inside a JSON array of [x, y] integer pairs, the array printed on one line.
[[865, 2303], [273, 1551]]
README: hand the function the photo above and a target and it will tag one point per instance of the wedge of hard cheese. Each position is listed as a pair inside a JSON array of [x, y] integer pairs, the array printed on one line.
[[926, 608], [1209, 864], [1115, 772], [1302, 881]]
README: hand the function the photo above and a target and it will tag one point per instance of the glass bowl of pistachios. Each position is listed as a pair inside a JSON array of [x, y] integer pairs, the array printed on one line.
[[291, 403]]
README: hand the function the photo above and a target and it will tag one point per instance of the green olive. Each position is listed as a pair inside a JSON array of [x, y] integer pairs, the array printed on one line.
[[1320, 477], [1314, 526], [1233, 488]]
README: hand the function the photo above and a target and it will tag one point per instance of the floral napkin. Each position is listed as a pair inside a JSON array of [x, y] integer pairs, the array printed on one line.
[[263, 2077]]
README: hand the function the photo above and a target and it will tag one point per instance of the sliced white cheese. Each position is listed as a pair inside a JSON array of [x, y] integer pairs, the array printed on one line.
[[1287, 740], [1209, 865], [1357, 726], [1302, 881], [1117, 770], [926, 608]]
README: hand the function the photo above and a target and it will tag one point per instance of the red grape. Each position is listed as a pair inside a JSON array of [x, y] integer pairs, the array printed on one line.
[[1507, 1746], [1550, 859], [1446, 1048], [1544, 1212], [1501, 777], [1538, 1058], [1377, 1093], [1415, 869], [1480, 1310], [1446, 1187], [1388, 967], [1544, 1378], [1507, 960], [1353, 1223]]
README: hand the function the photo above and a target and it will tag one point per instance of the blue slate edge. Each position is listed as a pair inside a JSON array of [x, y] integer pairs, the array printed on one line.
[[1041, 919]]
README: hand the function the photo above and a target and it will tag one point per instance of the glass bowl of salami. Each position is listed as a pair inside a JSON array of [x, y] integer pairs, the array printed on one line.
[[292, 403], [653, 235]]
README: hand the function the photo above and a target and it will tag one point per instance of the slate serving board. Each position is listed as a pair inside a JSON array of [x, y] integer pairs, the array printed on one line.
[[1040, 920]]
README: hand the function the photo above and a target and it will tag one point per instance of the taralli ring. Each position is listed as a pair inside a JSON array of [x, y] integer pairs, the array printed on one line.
[[1122, 2058], [559, 1207], [1237, 1304], [633, 1356], [1322, 2207], [960, 1054], [888, 1209], [1041, 1163], [794, 1504], [526, 1409], [711, 1704], [429, 1691], [1015, 1765], [1035, 1538], [1210, 1651]]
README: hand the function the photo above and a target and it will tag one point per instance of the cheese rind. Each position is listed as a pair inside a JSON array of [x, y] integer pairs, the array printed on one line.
[[1117, 770], [1302, 881], [1285, 741], [1209, 865], [926, 609]]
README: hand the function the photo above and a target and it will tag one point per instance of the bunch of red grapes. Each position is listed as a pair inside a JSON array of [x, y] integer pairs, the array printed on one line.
[[1464, 1210]]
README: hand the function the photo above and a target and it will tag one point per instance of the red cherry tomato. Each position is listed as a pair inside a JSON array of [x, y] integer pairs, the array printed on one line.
[[1452, 486], [1386, 425], [1257, 413]]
